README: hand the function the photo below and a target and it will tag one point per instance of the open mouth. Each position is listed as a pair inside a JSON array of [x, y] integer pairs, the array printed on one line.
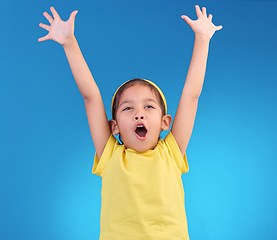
[[141, 132]]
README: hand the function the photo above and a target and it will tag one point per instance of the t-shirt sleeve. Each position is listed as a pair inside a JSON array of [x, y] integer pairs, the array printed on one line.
[[99, 165], [181, 161]]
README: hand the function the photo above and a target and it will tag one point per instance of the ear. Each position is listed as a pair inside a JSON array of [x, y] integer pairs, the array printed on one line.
[[113, 127], [166, 122]]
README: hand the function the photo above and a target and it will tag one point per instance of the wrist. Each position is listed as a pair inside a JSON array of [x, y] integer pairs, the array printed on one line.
[[202, 37], [70, 41]]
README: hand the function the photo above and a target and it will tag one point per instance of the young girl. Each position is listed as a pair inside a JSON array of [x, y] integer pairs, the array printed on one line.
[[142, 190]]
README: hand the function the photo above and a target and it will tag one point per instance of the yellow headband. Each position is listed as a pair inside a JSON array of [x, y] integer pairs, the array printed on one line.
[[153, 84]]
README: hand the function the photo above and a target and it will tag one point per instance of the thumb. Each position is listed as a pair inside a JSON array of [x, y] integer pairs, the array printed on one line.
[[72, 16], [187, 19], [218, 27]]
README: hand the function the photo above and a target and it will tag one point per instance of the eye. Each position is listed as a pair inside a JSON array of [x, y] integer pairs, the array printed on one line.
[[127, 108], [149, 106]]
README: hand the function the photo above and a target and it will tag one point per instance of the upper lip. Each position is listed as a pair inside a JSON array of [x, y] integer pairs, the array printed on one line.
[[139, 125]]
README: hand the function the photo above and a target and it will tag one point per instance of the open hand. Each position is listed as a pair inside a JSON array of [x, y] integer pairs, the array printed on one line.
[[203, 26], [59, 31]]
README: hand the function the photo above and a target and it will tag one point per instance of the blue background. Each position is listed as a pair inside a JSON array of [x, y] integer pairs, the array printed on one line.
[[47, 189]]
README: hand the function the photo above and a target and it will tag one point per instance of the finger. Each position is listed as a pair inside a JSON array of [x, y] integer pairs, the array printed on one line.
[[54, 12], [218, 27], [198, 11], [72, 16], [204, 11], [187, 19], [48, 17], [44, 26], [44, 38], [210, 17]]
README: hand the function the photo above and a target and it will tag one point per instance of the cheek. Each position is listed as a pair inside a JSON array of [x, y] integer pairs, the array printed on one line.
[[122, 122]]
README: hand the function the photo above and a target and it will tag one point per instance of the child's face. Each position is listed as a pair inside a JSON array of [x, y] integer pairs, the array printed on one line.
[[139, 119]]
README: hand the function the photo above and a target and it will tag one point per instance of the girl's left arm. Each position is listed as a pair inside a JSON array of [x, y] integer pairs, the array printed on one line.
[[186, 112]]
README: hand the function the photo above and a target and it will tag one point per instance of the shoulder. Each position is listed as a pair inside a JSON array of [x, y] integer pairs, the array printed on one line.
[[171, 148], [112, 148], [168, 142]]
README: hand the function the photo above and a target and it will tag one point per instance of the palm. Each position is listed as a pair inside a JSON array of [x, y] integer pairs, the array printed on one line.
[[58, 30], [203, 25]]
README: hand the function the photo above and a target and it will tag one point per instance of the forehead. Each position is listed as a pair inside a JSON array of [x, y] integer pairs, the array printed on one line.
[[138, 92]]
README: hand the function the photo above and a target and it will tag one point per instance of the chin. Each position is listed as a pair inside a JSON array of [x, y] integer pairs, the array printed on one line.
[[142, 149]]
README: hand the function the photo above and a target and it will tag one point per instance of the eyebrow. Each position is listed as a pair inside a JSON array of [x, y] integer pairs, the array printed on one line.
[[145, 100], [150, 100], [127, 101]]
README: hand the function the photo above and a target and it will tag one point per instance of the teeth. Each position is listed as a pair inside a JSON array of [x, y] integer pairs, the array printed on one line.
[[139, 126]]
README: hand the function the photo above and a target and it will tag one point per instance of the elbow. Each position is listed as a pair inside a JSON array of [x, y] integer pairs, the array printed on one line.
[[197, 96], [91, 96], [191, 94], [194, 97], [95, 97]]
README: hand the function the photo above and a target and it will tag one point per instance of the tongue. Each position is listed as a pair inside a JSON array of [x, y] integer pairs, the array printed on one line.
[[141, 131]]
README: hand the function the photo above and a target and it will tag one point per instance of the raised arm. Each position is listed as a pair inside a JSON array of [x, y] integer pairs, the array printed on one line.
[[184, 118], [63, 33]]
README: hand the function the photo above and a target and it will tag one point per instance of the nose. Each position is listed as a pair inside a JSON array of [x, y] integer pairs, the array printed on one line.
[[139, 116]]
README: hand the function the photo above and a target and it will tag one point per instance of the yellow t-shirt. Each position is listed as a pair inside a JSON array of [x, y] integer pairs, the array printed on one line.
[[142, 193]]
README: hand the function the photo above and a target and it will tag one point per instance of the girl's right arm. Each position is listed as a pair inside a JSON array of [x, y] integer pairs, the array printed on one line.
[[63, 33]]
